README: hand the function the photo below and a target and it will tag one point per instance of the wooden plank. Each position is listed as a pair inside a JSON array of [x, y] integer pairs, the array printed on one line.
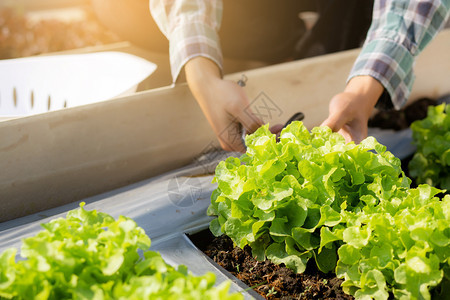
[[55, 158], [58, 157]]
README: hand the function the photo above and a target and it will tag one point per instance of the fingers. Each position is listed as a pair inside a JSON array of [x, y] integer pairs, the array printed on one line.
[[346, 133], [332, 123], [250, 122], [339, 112], [347, 117], [276, 129], [341, 125], [232, 141], [230, 138]]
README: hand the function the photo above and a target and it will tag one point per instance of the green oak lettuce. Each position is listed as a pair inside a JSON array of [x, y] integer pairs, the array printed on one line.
[[283, 198], [431, 162], [89, 255], [348, 207], [405, 249]]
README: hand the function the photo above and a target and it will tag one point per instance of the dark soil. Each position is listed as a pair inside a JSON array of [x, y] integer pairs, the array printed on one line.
[[402, 119], [269, 280]]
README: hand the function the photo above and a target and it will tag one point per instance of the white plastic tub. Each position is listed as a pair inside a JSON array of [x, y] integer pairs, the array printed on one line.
[[45, 83]]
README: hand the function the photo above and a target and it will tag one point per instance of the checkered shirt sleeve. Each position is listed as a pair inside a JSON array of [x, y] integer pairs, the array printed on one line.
[[400, 30], [191, 26]]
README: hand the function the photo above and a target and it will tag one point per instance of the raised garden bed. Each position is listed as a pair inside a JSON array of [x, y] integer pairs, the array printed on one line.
[[274, 281], [269, 280], [138, 208]]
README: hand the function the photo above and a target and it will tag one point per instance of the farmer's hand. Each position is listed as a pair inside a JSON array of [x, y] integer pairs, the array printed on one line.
[[223, 102], [350, 110]]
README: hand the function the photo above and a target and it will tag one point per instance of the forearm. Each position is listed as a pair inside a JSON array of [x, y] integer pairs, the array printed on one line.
[[202, 75]]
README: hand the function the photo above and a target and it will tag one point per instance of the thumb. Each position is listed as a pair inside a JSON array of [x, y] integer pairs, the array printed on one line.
[[230, 138], [334, 121], [249, 120]]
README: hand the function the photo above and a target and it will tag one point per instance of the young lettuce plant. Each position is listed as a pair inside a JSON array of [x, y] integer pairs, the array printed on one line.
[[431, 162], [284, 198], [89, 255], [399, 248], [347, 206]]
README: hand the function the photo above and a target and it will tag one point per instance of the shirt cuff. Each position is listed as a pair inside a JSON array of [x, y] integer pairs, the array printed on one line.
[[391, 64], [191, 40]]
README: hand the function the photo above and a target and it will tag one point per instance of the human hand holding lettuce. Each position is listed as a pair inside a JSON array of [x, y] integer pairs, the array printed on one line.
[[398, 33], [224, 103], [350, 110]]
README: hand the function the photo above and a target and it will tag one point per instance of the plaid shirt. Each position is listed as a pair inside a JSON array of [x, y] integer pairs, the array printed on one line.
[[191, 27], [400, 30]]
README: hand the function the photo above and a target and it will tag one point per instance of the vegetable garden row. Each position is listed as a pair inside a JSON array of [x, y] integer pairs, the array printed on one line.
[[308, 201], [305, 197]]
